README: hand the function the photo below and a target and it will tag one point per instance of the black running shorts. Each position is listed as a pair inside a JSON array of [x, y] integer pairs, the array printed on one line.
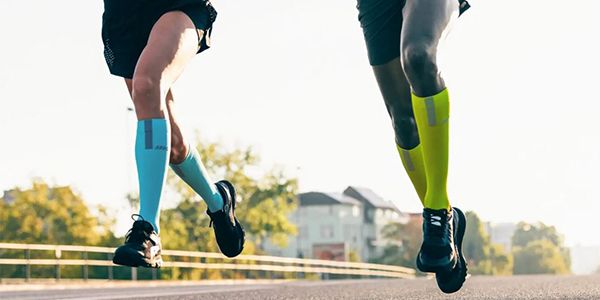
[[126, 26], [381, 21]]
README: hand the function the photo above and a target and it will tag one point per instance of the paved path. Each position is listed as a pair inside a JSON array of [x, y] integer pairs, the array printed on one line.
[[517, 287]]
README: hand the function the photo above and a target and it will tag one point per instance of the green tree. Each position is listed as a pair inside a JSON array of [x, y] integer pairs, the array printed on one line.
[[497, 262], [525, 233], [484, 257], [539, 249], [404, 242], [50, 215], [539, 257], [476, 241], [354, 256]]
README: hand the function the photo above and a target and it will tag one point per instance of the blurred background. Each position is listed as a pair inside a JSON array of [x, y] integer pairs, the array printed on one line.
[[285, 104]]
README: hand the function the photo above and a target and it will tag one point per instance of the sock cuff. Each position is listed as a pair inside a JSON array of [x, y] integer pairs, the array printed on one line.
[[441, 95], [413, 149], [435, 108], [188, 157]]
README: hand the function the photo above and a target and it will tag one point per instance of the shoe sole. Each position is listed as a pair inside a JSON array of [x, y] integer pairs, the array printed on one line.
[[139, 262], [443, 266], [238, 227], [450, 282]]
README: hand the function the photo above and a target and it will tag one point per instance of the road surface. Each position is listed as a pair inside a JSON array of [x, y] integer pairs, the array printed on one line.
[[517, 287]]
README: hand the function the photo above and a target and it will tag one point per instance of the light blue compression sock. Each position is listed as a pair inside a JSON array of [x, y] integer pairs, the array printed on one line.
[[192, 171], [152, 156]]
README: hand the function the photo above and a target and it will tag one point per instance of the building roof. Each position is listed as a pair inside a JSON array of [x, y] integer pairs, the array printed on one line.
[[367, 195], [319, 198], [8, 197]]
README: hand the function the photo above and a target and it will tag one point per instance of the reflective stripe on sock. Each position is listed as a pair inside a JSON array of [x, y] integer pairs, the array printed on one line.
[[412, 159]]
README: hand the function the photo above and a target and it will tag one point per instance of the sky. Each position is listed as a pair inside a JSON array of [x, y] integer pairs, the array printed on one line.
[[291, 79]]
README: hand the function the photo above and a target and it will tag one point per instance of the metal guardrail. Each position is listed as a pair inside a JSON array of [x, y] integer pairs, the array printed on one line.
[[239, 263]]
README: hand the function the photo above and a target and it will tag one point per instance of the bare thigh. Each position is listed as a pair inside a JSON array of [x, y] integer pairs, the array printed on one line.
[[172, 44], [425, 24]]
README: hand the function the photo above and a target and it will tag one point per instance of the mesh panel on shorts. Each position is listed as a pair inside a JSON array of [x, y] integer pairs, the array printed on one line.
[[109, 55]]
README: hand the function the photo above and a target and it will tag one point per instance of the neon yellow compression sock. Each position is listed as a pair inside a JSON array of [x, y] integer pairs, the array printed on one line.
[[432, 115], [412, 159]]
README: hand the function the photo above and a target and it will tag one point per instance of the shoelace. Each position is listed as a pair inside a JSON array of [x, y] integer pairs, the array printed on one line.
[[436, 225], [136, 233]]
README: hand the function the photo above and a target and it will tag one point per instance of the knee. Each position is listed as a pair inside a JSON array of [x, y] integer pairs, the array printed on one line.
[[419, 60], [146, 92], [405, 130]]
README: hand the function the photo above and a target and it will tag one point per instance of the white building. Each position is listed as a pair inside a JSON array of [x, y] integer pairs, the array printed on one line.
[[330, 225]]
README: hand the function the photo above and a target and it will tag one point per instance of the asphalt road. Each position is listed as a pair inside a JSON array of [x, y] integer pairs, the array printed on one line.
[[517, 287]]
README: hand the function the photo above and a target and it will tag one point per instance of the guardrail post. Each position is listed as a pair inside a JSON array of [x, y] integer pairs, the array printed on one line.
[[28, 265], [302, 275], [57, 272], [85, 266], [110, 267], [205, 260], [133, 273], [154, 271], [58, 254]]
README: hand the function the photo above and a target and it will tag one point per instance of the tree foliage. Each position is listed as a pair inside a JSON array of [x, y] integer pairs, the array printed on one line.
[[476, 241], [540, 257], [404, 243], [525, 233], [51, 215], [484, 257], [539, 249]]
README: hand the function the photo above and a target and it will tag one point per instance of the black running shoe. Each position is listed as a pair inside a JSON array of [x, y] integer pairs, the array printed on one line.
[[452, 281], [438, 253], [228, 231], [142, 246]]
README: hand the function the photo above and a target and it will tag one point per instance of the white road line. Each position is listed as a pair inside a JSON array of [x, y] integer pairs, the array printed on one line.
[[142, 294]]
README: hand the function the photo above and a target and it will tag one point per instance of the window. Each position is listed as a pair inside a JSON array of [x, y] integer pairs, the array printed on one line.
[[355, 211]]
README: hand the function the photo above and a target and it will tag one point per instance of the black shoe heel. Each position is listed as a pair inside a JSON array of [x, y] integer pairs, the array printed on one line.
[[229, 233], [451, 282]]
